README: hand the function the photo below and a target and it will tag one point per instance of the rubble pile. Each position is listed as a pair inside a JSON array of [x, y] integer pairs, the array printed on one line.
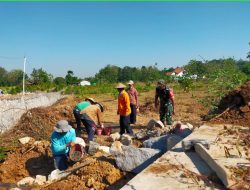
[[234, 108]]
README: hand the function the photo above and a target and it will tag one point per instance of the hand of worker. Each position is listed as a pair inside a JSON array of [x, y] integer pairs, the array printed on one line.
[[173, 111], [102, 125], [70, 144]]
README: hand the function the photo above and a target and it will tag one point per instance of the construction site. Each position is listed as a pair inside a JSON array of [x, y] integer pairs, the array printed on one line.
[[214, 155]]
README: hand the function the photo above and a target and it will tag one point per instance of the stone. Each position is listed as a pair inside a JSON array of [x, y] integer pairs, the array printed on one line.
[[56, 175], [133, 159], [26, 181], [153, 133], [93, 147], [24, 140], [151, 124], [157, 143], [116, 147], [40, 179], [142, 134], [154, 123], [126, 139], [159, 124], [105, 149], [115, 136], [189, 144], [190, 126]]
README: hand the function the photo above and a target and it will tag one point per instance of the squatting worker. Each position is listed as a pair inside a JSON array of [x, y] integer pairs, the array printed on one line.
[[133, 97], [91, 117], [167, 107], [124, 110], [62, 139], [79, 107]]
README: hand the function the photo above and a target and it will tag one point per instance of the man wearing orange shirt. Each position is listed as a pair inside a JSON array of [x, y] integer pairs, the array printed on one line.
[[124, 110]]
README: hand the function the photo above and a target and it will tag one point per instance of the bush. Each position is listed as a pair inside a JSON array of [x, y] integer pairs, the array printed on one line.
[[186, 83]]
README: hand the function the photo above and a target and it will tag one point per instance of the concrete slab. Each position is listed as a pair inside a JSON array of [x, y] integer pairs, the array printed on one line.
[[177, 169], [216, 158]]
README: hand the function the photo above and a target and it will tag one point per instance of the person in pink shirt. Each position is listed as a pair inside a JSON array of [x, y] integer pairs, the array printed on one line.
[[133, 96]]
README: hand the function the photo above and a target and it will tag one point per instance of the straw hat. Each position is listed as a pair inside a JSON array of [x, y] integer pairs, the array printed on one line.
[[131, 82], [62, 126], [92, 100], [120, 85]]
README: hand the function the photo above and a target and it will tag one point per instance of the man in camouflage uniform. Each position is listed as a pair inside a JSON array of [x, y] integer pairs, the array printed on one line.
[[167, 108]]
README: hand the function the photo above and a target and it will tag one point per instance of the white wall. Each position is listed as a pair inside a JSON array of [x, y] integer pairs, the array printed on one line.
[[12, 109]]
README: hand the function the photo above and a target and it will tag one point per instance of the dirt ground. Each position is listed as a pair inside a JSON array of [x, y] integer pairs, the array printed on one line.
[[101, 173]]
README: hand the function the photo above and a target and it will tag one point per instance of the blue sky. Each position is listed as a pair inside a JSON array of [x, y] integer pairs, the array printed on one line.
[[86, 36]]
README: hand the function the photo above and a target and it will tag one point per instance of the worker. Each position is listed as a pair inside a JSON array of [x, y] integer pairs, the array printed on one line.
[[133, 97], [79, 107], [167, 107], [62, 139], [91, 117], [124, 110]]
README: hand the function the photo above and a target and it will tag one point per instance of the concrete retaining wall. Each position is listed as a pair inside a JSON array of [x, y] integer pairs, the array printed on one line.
[[12, 109]]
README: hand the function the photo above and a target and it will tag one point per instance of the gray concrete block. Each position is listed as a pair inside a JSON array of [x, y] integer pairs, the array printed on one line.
[[219, 169], [135, 159]]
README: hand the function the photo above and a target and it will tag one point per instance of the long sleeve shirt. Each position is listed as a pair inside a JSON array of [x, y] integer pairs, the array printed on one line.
[[60, 140], [133, 96], [124, 104]]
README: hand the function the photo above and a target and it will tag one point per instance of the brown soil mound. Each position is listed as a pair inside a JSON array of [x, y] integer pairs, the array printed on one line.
[[99, 174], [148, 106], [234, 108], [39, 122], [27, 160]]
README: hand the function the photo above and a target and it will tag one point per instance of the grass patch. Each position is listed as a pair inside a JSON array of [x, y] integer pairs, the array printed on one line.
[[3, 153]]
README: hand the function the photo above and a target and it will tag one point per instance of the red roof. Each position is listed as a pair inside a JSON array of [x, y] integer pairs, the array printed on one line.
[[176, 71]]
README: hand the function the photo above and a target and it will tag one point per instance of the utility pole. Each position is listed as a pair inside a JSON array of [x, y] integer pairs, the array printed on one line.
[[24, 63]]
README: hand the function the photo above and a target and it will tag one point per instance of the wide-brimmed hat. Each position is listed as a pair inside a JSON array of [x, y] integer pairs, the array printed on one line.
[[92, 100], [62, 126], [131, 82], [120, 85], [100, 106]]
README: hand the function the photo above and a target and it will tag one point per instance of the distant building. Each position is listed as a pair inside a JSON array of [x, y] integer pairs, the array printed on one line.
[[178, 72], [84, 83]]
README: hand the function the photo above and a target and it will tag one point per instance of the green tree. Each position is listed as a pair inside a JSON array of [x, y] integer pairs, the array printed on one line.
[[15, 77], [195, 67], [3, 76], [71, 79], [108, 74], [59, 81], [170, 69], [39, 76], [248, 55], [246, 68]]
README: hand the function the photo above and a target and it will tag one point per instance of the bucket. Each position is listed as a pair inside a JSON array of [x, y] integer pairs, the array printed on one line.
[[76, 153], [99, 131], [107, 130]]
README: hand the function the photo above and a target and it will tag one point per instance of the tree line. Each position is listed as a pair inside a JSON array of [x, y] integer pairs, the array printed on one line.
[[207, 69]]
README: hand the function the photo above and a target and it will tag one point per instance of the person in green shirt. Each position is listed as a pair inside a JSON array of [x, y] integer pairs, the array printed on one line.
[[79, 107]]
